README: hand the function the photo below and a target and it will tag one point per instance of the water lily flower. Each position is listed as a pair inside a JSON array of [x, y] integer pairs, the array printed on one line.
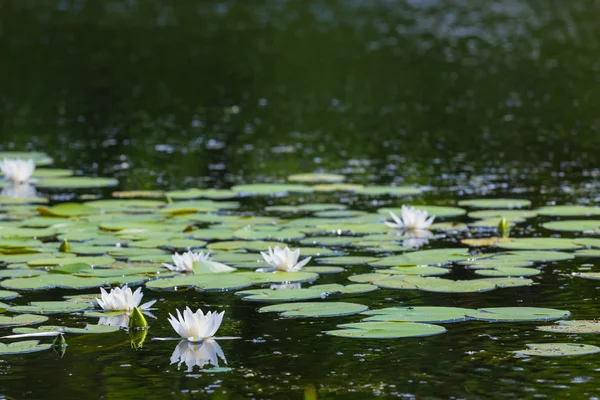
[[185, 263], [285, 259], [197, 354], [122, 299], [196, 327], [17, 170], [13, 189], [411, 219]]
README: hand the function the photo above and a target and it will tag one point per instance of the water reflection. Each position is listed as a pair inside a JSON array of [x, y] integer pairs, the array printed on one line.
[[19, 190], [122, 321], [287, 285], [197, 354], [416, 239]]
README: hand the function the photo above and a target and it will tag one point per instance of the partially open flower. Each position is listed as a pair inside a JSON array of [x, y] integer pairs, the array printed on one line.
[[17, 170], [285, 259]]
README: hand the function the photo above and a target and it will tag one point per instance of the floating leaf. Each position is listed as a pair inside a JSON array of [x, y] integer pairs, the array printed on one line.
[[419, 270], [389, 190], [349, 260], [517, 314], [539, 256], [495, 203], [316, 177], [21, 320], [323, 270], [572, 225], [419, 314], [539, 244], [338, 187], [386, 330], [569, 211], [216, 194], [557, 349], [76, 182], [22, 347], [508, 271], [65, 210], [316, 309], [38, 158], [313, 292], [50, 307], [491, 241], [7, 294], [514, 215], [573, 327], [271, 189], [424, 257], [63, 329]]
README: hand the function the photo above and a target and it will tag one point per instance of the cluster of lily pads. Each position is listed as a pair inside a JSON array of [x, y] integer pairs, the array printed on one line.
[[204, 239]]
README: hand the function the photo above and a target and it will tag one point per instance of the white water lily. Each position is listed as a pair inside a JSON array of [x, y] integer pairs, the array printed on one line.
[[17, 170], [122, 299], [185, 263], [24, 190], [411, 219], [196, 327], [197, 354], [285, 259]]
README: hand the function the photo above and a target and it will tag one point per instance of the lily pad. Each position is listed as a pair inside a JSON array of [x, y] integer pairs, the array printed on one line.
[[313, 292], [90, 328], [389, 190], [316, 177], [76, 182], [538, 256], [50, 307], [22, 347], [569, 211], [21, 320], [386, 330], [418, 270], [315, 309], [348, 260], [517, 314], [539, 244], [419, 314], [508, 271], [495, 203], [557, 349], [425, 257], [573, 327], [572, 225], [271, 189], [513, 215]]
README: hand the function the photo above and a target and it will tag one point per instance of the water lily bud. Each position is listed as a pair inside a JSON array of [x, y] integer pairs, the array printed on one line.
[[137, 319], [64, 247], [504, 228], [137, 338], [59, 341]]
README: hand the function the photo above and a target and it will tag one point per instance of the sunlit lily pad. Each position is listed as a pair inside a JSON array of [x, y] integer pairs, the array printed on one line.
[[315, 309], [22, 320], [495, 262], [508, 271], [90, 328], [347, 260], [389, 190], [495, 203], [95, 261], [569, 211], [337, 187], [60, 281], [539, 256], [316, 177], [500, 213], [419, 270], [20, 273], [419, 314], [590, 242], [216, 194], [386, 330], [313, 292], [22, 347], [257, 245], [573, 327], [557, 349], [424, 257], [323, 270], [484, 242], [313, 207], [50, 307], [76, 182], [38, 158], [572, 225], [539, 244], [271, 189], [589, 253], [516, 314], [8, 294]]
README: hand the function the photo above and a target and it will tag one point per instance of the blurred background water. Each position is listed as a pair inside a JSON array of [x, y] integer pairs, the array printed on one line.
[[466, 96]]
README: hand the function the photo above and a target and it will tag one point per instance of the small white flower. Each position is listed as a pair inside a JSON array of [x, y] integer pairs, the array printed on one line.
[[24, 190], [197, 354], [17, 170], [122, 299], [196, 327], [411, 219], [285, 259], [185, 263]]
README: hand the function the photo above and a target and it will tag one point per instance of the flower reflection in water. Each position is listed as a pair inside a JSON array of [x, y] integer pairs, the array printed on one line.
[[199, 353], [416, 239], [20, 190]]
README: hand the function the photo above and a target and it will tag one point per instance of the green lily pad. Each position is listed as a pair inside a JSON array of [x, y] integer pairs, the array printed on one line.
[[50, 307], [538, 256], [588, 275], [335, 241], [539, 244], [90, 328], [38, 158], [573, 327], [48, 262], [129, 205], [21, 320], [65, 210], [348, 260], [495, 263], [419, 270], [513, 215], [51, 281], [76, 182], [315, 309], [337, 187], [386, 330], [424, 257], [323, 270], [313, 292], [20, 273], [590, 242], [215, 194], [419, 314], [590, 253], [517, 314], [572, 225], [22, 347], [313, 207], [569, 211], [340, 213], [557, 349], [389, 190], [316, 177], [257, 245], [495, 203], [508, 271], [7, 294], [271, 189]]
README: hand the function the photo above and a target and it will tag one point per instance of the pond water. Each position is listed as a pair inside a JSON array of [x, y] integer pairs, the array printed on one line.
[[459, 99]]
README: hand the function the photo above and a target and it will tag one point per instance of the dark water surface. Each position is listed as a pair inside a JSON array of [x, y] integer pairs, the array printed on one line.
[[495, 98]]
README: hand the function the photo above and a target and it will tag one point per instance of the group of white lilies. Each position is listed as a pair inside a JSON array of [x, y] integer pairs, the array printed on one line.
[[197, 326]]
